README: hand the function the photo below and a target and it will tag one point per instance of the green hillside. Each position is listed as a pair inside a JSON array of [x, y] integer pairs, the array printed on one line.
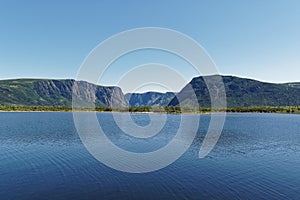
[[241, 92]]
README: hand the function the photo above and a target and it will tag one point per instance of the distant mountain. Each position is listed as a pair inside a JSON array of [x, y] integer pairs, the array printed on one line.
[[149, 98], [42, 92], [241, 92]]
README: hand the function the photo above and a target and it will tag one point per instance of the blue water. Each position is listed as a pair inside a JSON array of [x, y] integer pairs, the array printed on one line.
[[257, 157]]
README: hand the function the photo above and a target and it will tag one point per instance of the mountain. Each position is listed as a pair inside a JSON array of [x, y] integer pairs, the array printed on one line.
[[149, 98], [241, 92], [42, 92]]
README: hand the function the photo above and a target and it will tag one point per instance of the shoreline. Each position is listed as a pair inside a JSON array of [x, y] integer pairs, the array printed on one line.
[[192, 113], [155, 109]]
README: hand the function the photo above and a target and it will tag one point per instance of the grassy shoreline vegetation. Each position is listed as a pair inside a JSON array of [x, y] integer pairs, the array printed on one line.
[[155, 109]]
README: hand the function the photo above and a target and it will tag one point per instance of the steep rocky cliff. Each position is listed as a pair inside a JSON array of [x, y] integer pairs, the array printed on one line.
[[42, 92]]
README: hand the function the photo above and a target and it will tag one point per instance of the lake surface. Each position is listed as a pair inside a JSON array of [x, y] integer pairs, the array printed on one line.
[[257, 157]]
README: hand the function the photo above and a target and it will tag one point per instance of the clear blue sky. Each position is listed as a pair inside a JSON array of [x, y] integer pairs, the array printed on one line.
[[50, 39]]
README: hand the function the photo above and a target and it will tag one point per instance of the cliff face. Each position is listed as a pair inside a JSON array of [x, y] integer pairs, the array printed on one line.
[[37, 92]]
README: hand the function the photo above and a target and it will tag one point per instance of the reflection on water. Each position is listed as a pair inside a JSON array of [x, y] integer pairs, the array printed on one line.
[[257, 156]]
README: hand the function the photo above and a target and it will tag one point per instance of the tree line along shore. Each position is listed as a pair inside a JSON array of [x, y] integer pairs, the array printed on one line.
[[154, 109]]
